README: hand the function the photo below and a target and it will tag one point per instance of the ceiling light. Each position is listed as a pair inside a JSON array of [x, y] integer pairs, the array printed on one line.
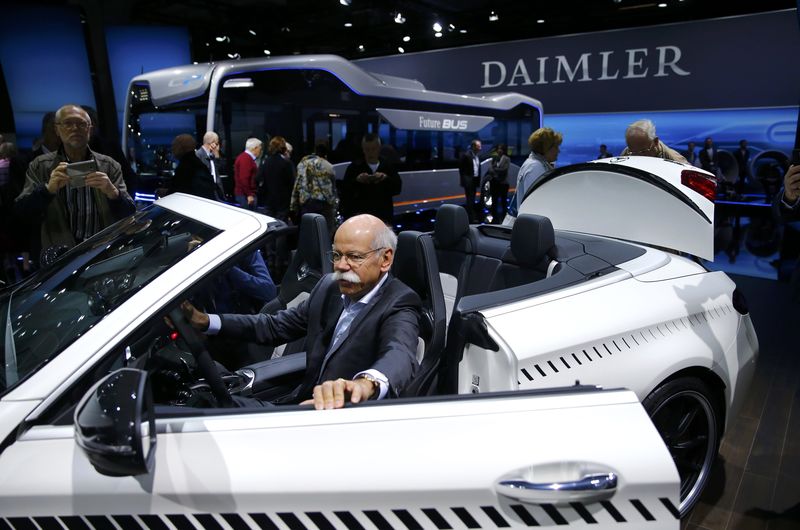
[[267, 52], [437, 27], [361, 47], [493, 17], [462, 31], [223, 38], [662, 5], [252, 32], [451, 26], [286, 29], [399, 18], [437, 34], [400, 49], [540, 21], [234, 56], [346, 2], [348, 24], [406, 39]]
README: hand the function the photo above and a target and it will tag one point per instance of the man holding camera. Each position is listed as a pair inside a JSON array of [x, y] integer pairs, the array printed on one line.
[[73, 192]]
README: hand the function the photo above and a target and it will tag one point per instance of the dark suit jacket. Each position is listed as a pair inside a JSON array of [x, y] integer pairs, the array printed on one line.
[[781, 212], [192, 176], [375, 199], [383, 336], [203, 156], [709, 163], [743, 159], [466, 169]]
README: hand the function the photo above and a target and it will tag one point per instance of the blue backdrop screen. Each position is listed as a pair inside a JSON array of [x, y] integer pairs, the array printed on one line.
[[44, 59]]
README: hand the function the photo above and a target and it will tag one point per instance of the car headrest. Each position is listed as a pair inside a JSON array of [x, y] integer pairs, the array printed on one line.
[[531, 239], [452, 224], [312, 241], [406, 266]]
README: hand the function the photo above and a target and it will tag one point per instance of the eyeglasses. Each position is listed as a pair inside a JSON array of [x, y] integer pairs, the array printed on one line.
[[353, 258], [648, 149], [73, 124]]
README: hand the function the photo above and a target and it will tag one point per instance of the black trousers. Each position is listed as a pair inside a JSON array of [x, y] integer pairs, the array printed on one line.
[[499, 191], [473, 209]]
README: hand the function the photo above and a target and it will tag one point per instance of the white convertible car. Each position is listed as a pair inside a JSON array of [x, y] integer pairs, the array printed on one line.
[[519, 416]]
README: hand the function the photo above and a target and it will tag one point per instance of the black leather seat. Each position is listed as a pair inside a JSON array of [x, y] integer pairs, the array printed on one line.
[[308, 265], [529, 256], [454, 251], [415, 264]]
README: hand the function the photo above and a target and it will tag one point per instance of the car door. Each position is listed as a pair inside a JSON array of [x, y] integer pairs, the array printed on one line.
[[578, 457]]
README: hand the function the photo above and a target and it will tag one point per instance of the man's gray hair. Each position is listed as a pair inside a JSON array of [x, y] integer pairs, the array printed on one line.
[[210, 137], [646, 126], [386, 238], [252, 143]]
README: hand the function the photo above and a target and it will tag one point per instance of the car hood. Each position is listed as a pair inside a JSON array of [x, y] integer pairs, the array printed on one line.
[[642, 199]]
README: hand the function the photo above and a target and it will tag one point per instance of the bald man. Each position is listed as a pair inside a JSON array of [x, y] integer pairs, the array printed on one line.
[[360, 324]]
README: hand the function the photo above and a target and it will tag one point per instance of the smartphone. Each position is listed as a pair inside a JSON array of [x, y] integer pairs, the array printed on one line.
[[796, 157], [77, 172]]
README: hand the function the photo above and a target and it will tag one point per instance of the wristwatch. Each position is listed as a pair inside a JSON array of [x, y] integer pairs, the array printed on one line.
[[376, 385]]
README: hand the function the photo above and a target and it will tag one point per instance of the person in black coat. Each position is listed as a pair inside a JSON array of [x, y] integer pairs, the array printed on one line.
[[276, 180], [370, 183], [742, 156], [191, 175]]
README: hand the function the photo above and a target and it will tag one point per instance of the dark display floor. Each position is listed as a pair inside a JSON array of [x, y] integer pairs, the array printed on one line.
[[755, 483]]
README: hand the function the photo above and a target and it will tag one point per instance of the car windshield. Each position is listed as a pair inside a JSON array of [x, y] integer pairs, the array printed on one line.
[[56, 306]]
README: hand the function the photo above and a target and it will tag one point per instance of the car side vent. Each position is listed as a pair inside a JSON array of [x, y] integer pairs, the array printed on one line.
[[607, 349]]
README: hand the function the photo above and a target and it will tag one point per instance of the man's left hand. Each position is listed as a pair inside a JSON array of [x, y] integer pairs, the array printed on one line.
[[100, 181], [332, 394]]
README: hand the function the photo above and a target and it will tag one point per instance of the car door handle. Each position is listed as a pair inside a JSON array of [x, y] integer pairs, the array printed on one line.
[[590, 487]]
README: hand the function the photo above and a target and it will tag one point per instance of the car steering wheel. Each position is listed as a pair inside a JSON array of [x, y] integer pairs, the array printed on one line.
[[204, 361]]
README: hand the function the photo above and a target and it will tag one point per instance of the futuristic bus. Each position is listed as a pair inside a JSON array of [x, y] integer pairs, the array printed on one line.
[[324, 98]]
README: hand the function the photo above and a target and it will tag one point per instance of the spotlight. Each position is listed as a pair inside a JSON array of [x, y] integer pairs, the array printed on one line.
[[662, 5], [346, 2], [234, 56], [348, 24], [437, 27], [451, 26], [361, 47], [252, 32], [400, 49], [407, 39], [437, 34], [223, 38], [399, 18], [267, 52], [540, 21], [462, 31], [493, 17]]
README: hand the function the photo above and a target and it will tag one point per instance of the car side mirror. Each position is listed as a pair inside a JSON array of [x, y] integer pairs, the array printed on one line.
[[115, 424]]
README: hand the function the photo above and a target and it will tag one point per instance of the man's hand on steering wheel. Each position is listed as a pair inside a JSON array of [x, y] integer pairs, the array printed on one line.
[[196, 318]]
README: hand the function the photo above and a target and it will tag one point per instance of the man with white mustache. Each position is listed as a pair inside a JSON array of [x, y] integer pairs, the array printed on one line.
[[360, 324]]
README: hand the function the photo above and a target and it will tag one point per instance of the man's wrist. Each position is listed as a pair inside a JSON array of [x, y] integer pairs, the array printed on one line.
[[369, 384]]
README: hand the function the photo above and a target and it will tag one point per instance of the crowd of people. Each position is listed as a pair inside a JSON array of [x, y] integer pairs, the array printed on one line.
[[75, 185]]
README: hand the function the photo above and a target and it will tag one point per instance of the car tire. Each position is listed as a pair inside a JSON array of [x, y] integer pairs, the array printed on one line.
[[687, 415]]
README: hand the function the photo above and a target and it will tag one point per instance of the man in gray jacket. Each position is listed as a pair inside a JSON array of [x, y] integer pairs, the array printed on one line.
[[72, 209]]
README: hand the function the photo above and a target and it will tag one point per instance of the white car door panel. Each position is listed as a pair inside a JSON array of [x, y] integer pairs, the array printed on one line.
[[434, 464]]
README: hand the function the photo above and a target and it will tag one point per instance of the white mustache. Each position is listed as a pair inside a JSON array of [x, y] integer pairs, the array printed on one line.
[[348, 276]]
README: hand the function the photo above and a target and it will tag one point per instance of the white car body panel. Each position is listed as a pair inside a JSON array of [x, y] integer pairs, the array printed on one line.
[[372, 459], [599, 201]]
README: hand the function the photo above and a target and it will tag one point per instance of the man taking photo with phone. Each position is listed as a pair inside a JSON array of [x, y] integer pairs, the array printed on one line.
[[72, 205]]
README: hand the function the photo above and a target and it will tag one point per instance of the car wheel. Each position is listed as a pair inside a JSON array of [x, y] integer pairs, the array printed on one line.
[[684, 411]]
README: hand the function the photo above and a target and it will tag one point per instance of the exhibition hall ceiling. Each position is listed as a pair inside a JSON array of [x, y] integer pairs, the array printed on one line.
[[366, 28]]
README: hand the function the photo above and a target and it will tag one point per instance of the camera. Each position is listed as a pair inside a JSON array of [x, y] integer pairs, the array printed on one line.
[[77, 172]]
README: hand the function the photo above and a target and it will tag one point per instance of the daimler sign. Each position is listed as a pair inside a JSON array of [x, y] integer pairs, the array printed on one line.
[[731, 62], [633, 63]]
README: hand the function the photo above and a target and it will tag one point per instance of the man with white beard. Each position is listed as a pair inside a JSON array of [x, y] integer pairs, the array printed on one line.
[[360, 324]]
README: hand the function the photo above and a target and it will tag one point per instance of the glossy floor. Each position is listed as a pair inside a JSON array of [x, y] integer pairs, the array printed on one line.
[[756, 481]]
